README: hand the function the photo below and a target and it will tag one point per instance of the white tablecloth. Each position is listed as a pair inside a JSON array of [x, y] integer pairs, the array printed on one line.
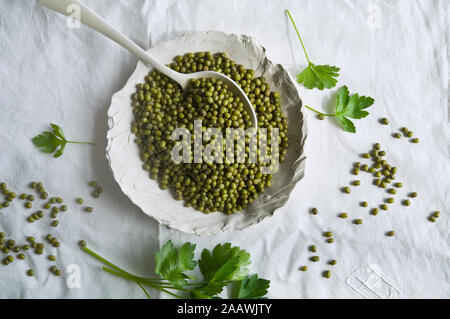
[[394, 51]]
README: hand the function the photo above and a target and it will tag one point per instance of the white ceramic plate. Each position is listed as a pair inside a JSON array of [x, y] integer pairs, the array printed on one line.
[[123, 154]]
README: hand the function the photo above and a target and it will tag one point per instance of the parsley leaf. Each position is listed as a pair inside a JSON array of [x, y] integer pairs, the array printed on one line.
[[349, 106], [252, 287], [318, 76], [58, 131], [171, 263], [224, 264], [60, 151], [347, 125], [314, 75], [49, 142]]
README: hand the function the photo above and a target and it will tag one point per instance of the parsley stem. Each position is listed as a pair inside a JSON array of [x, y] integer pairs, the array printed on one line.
[[298, 33], [139, 283], [144, 290], [158, 285], [319, 112], [72, 142], [171, 293], [103, 260]]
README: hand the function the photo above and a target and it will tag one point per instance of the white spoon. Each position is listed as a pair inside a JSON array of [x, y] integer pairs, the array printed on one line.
[[95, 22]]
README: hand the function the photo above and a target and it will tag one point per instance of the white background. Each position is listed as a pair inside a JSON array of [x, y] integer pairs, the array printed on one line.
[[394, 51]]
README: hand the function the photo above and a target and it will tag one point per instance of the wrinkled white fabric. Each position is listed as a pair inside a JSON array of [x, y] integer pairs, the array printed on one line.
[[394, 51]]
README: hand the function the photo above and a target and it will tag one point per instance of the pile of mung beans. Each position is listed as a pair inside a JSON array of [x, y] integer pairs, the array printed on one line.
[[159, 107], [384, 175], [54, 206]]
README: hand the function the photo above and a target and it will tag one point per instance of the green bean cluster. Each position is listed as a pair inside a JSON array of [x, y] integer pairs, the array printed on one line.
[[159, 107], [8, 195]]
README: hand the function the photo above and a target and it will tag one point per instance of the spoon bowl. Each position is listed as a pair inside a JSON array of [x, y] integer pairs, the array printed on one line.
[[92, 20]]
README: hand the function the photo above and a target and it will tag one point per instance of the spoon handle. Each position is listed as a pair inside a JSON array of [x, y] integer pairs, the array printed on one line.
[[92, 20]]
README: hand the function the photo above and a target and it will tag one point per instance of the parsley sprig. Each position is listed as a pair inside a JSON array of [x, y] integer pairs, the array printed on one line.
[[324, 76], [54, 141], [224, 266], [314, 75], [349, 106]]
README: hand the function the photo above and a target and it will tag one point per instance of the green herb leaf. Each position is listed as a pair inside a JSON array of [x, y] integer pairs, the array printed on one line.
[[356, 105], [252, 287], [342, 99], [58, 131], [50, 142], [171, 263], [60, 151], [47, 142], [346, 124], [225, 263], [314, 75], [318, 76], [351, 106]]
